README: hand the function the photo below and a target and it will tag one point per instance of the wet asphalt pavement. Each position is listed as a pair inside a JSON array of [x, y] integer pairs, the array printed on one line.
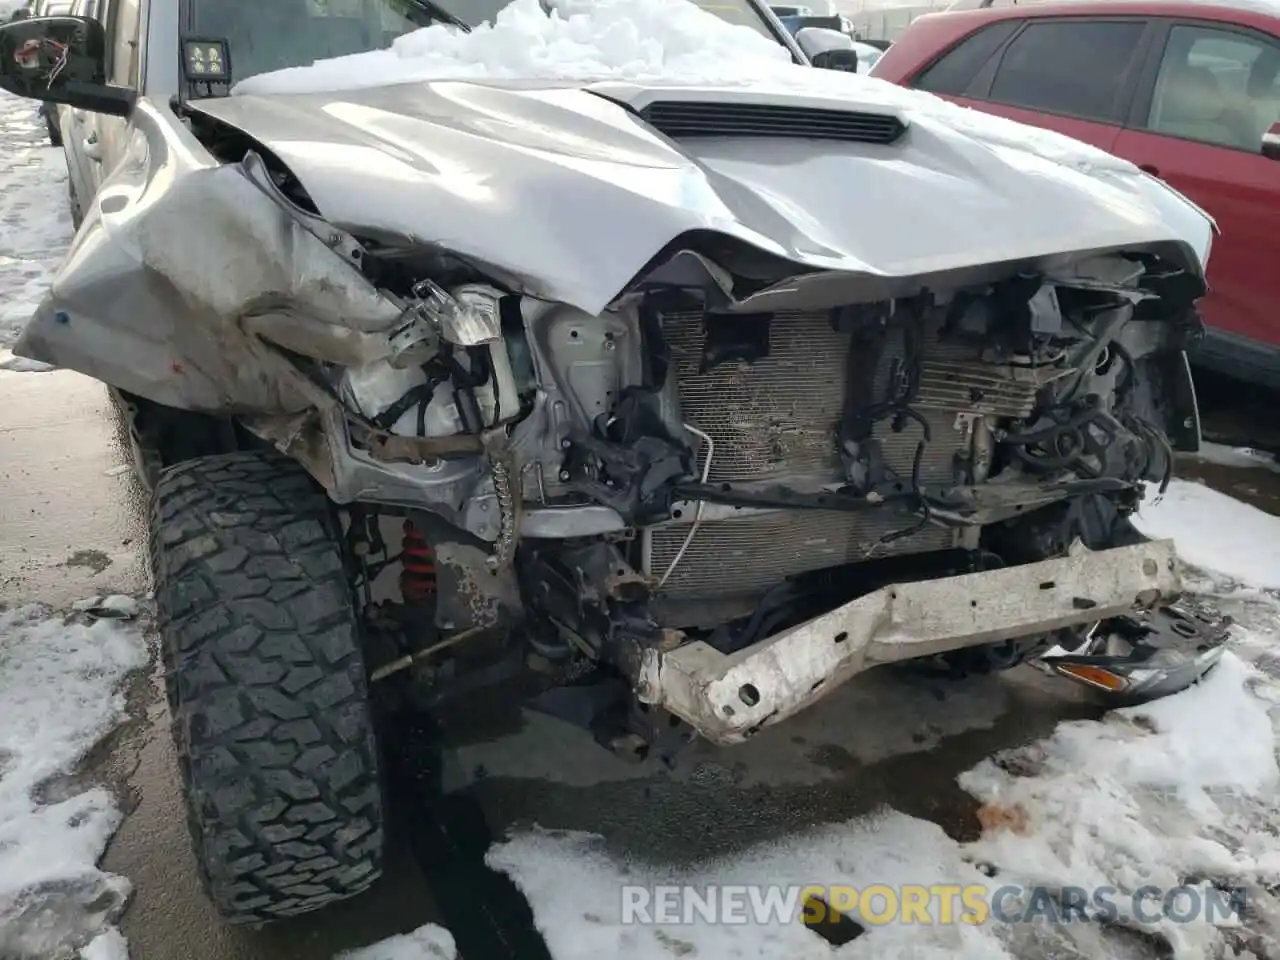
[[71, 525]]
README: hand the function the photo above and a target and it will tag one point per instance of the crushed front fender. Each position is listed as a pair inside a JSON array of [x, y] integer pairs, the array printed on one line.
[[174, 254]]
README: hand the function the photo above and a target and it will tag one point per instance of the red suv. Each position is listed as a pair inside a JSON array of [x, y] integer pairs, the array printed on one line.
[[1188, 91]]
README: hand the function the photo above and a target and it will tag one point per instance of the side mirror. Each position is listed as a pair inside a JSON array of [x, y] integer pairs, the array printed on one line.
[[846, 60], [828, 49], [60, 60], [1271, 142]]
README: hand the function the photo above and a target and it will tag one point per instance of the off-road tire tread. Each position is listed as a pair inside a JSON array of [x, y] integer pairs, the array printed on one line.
[[266, 685]]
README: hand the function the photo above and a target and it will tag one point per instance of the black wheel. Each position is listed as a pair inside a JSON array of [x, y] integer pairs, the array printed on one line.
[[266, 685], [55, 135]]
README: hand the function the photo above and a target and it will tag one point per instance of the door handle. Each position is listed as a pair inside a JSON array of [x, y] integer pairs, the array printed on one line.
[[1150, 168], [93, 149]]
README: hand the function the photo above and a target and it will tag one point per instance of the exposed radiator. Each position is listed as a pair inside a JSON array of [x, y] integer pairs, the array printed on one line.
[[775, 419], [772, 418], [744, 556], [952, 380]]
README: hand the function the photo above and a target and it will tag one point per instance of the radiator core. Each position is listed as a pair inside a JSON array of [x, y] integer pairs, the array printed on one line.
[[775, 420]]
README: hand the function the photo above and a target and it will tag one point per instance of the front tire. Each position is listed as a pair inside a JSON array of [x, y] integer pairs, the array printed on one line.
[[266, 685]]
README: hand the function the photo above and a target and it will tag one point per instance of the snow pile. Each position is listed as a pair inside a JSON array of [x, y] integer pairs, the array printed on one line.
[[576, 891], [1216, 533], [428, 942], [109, 945], [1183, 791], [59, 694], [580, 40], [35, 217], [649, 41]]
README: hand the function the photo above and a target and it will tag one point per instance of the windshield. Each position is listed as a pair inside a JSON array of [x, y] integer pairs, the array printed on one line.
[[266, 35]]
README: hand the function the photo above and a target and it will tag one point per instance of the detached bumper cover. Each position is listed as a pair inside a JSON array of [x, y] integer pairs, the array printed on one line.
[[728, 698]]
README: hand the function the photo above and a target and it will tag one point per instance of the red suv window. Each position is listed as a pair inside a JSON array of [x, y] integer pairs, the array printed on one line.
[[1216, 85], [1075, 67], [954, 71]]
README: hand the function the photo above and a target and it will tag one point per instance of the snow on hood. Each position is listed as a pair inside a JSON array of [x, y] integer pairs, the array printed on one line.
[[646, 42], [638, 40], [675, 42]]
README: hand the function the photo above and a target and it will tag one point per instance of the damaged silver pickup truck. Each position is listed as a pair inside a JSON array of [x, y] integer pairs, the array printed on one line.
[[684, 401]]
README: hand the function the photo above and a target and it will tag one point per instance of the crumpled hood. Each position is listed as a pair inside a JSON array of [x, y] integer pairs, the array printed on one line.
[[565, 189]]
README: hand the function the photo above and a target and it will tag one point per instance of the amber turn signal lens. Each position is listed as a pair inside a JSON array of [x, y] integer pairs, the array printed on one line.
[[1094, 676]]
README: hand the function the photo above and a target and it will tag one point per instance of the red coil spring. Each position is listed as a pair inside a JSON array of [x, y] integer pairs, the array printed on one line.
[[418, 562]]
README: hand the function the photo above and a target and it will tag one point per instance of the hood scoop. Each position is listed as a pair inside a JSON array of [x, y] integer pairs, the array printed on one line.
[[686, 119]]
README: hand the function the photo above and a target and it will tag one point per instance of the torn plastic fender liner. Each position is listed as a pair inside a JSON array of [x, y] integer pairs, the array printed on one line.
[[728, 698], [155, 294]]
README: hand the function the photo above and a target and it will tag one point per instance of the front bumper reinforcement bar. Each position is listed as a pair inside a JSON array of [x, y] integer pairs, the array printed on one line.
[[729, 697]]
